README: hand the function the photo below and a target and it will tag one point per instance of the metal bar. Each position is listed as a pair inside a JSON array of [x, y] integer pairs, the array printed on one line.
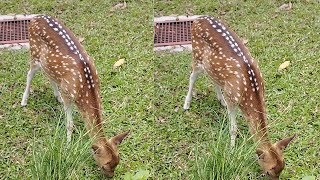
[[7, 30], [1, 31], [160, 29], [21, 29], [171, 44], [187, 33], [26, 30]]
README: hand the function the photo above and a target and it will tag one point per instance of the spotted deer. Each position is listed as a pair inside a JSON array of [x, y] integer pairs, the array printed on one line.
[[56, 50], [219, 52]]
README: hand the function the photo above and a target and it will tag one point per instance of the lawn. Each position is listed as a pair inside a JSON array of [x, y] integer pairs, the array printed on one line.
[[292, 95], [147, 92], [109, 34]]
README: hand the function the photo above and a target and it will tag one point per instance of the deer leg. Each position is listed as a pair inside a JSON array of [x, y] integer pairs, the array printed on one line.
[[68, 111], [56, 91], [32, 71], [232, 112], [220, 95], [193, 77]]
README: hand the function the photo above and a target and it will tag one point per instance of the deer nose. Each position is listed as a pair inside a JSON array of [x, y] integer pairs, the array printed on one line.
[[109, 174], [272, 177]]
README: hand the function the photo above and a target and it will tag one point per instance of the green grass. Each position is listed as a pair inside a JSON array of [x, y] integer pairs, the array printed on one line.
[[108, 36], [292, 95], [54, 158], [146, 94], [217, 160]]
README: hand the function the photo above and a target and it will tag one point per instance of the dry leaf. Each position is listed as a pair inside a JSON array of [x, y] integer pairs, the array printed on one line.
[[245, 41], [26, 11], [284, 65], [161, 119], [14, 105], [176, 109], [109, 15], [285, 7], [119, 6], [118, 63], [81, 39]]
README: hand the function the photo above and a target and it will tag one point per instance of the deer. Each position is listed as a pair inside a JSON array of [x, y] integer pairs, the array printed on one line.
[[238, 82], [74, 78]]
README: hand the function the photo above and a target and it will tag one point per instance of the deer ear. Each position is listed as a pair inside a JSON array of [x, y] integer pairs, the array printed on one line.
[[116, 140], [282, 144], [95, 149], [260, 153]]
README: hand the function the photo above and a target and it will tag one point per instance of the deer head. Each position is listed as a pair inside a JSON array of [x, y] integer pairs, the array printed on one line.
[[271, 160], [106, 153]]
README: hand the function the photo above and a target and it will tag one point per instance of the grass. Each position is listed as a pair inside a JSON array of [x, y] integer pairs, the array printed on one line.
[[217, 160], [273, 36], [146, 93], [55, 159], [108, 36]]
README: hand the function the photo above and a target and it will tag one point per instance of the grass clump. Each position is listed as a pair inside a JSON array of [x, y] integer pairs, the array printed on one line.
[[217, 160], [56, 159]]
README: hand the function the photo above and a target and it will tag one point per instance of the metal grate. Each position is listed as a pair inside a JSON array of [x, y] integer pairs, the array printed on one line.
[[14, 31], [168, 33]]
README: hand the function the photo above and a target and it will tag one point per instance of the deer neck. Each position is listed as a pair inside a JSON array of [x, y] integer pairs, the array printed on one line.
[[260, 132], [255, 114], [91, 112]]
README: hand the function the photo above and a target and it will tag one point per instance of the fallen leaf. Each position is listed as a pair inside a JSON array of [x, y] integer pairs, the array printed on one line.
[[162, 120], [59, 11], [18, 160], [285, 7], [25, 11], [14, 105], [109, 15], [119, 6], [312, 142], [118, 63], [223, 13], [81, 39], [245, 41], [284, 65], [176, 109]]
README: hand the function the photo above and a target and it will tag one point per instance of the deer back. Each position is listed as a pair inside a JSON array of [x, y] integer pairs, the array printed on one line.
[[228, 62], [65, 61]]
